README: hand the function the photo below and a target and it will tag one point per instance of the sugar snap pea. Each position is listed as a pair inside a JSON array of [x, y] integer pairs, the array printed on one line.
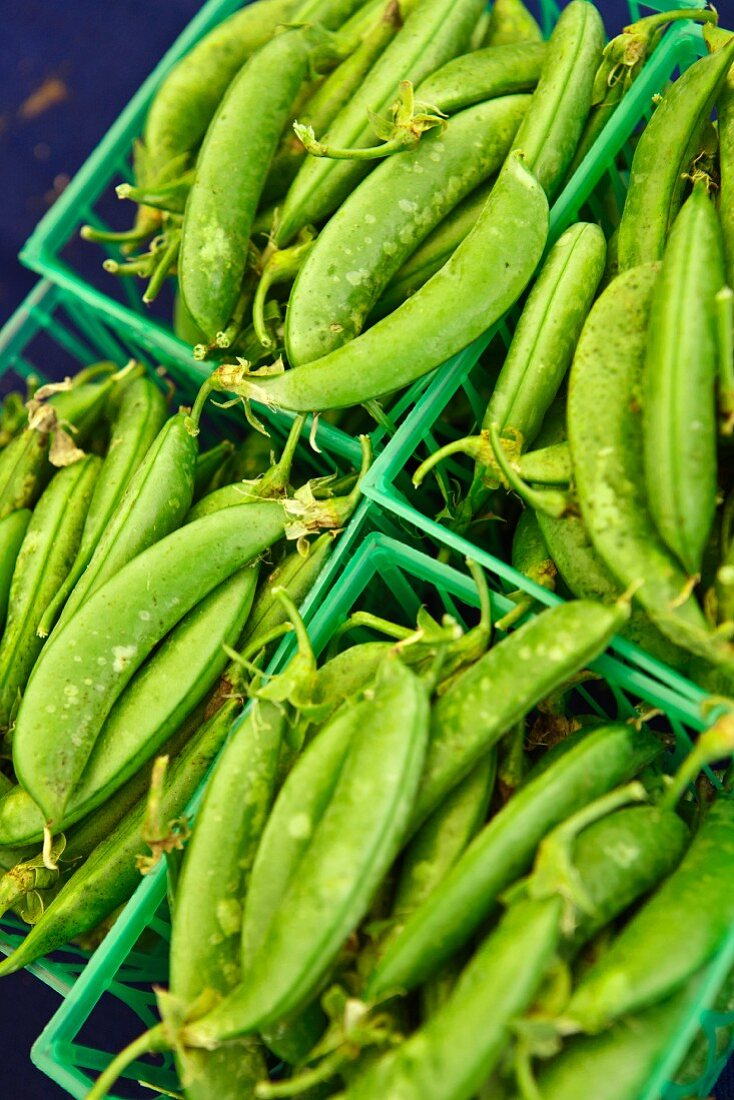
[[24, 470], [547, 465], [12, 533], [483, 74], [511, 22], [529, 557]]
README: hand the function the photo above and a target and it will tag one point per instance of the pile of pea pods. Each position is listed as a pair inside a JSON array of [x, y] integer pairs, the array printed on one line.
[[132, 562]]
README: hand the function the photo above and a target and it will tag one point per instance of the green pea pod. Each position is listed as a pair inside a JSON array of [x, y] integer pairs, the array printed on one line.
[[511, 22], [725, 112], [207, 465], [433, 253], [663, 156], [183, 106], [529, 557], [487, 699], [591, 765], [679, 400], [153, 504], [109, 876], [205, 938], [552, 127], [448, 1060], [89, 661], [139, 418], [485, 275], [346, 858], [50, 544], [24, 471], [12, 533], [225, 194], [547, 465], [484, 74], [434, 31], [383, 221]]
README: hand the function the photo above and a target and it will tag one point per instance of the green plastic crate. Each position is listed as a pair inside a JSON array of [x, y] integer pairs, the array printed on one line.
[[385, 574], [462, 382], [51, 335]]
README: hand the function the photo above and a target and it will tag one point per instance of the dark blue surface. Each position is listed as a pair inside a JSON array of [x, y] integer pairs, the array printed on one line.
[[91, 55]]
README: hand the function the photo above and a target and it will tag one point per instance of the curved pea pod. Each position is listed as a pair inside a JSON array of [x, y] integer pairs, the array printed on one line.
[[447, 1059], [591, 765], [12, 533], [224, 195], [50, 544], [484, 74], [547, 465], [481, 280], [109, 875], [667, 146], [205, 936], [140, 416], [511, 22], [433, 253], [622, 981], [89, 661], [24, 471], [154, 503], [183, 106], [679, 400], [385, 219], [487, 699], [552, 127], [346, 858], [435, 31]]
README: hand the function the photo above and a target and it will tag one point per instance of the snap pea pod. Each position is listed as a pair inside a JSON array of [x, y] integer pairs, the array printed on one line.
[[12, 533], [434, 31], [154, 503], [483, 74], [224, 195], [663, 156], [552, 127], [385, 218], [140, 417], [110, 875], [529, 557], [346, 858], [49, 546], [24, 471], [622, 981], [183, 106], [547, 465], [725, 112], [591, 764], [511, 22], [433, 253], [484, 276], [207, 465], [679, 402], [89, 661]]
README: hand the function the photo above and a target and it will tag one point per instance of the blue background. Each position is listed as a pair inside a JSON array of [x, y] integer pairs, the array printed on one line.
[[89, 57]]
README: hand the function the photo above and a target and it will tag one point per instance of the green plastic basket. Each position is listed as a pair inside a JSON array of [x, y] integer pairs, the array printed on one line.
[[51, 335], [387, 575], [461, 384]]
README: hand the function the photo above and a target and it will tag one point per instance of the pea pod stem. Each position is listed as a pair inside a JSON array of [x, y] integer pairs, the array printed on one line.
[[716, 742], [281, 267], [109, 236], [163, 267], [552, 502]]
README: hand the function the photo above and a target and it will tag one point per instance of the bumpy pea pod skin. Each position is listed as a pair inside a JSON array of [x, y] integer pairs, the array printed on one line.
[[50, 544], [485, 275], [483, 74], [385, 218], [667, 147], [154, 503], [622, 981], [433, 33], [350, 850], [140, 417], [113, 633], [511, 22], [550, 133], [110, 875], [224, 195], [679, 401], [12, 533], [591, 765]]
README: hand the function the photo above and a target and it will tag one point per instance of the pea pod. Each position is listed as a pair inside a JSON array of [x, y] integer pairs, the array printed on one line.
[[484, 74], [679, 402], [113, 632], [382, 222], [511, 22], [434, 32], [50, 544], [24, 471], [547, 465], [207, 465], [440, 319], [663, 156], [725, 111], [12, 533], [140, 416], [529, 557], [591, 765]]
